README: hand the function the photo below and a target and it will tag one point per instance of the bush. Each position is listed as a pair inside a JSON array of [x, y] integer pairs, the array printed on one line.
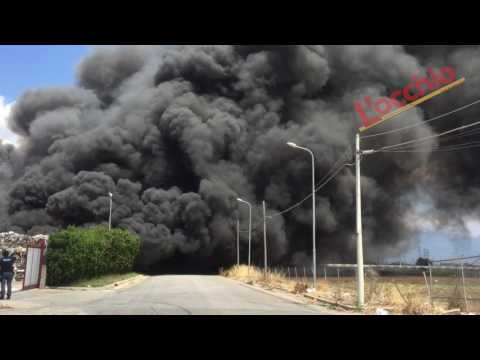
[[84, 253]]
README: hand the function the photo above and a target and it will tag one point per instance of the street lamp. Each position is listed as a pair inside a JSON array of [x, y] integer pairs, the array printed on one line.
[[295, 146], [238, 242], [110, 217], [249, 230]]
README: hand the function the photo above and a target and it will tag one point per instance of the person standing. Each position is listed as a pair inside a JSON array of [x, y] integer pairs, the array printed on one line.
[[7, 270]]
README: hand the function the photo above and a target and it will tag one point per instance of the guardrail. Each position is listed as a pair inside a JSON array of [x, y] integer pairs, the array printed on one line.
[[433, 267]]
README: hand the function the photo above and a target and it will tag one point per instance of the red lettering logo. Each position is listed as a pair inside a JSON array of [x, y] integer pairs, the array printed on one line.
[[416, 89]]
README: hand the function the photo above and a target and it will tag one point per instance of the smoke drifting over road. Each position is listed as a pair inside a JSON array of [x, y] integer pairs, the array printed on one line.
[[178, 133]]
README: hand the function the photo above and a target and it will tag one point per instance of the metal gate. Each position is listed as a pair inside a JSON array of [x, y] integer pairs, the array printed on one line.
[[33, 268]]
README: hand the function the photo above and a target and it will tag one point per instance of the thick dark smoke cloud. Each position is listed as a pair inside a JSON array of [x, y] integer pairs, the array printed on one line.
[[178, 133]]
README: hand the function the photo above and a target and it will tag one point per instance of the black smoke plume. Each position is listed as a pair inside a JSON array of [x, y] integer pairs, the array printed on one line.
[[178, 133]]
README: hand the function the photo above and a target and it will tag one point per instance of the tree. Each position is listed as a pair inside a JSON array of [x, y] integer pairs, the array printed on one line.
[[424, 262]]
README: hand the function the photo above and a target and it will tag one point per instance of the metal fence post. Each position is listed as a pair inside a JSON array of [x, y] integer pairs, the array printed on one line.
[[428, 288], [464, 290], [431, 280]]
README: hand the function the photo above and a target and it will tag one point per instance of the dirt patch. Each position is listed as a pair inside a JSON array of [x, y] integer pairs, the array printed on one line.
[[17, 305]]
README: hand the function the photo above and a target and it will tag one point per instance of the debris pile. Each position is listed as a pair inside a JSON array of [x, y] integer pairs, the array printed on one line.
[[17, 245], [300, 288], [19, 242]]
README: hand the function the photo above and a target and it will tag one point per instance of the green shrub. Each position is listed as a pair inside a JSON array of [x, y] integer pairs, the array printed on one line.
[[84, 253]]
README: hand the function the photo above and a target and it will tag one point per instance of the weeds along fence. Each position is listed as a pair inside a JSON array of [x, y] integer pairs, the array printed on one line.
[[449, 286], [457, 287]]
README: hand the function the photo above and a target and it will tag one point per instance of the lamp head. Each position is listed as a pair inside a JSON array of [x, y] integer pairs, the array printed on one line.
[[238, 199], [291, 144], [110, 194]]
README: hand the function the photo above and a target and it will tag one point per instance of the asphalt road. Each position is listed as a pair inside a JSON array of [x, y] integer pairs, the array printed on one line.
[[161, 295]]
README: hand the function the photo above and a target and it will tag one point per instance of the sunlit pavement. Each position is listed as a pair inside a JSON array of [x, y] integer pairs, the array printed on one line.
[[160, 295]]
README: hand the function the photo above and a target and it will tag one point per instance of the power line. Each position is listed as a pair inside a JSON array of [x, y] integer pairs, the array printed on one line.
[[462, 258], [401, 148], [461, 135], [443, 139], [447, 138], [293, 207], [453, 147], [428, 151], [323, 182], [423, 122], [334, 166], [429, 137]]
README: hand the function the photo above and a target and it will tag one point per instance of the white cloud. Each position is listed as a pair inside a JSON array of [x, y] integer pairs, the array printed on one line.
[[423, 221], [417, 221], [5, 134], [473, 226]]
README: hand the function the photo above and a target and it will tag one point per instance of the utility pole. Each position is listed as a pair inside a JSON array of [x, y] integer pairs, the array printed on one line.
[[238, 242], [110, 216], [314, 219], [360, 275], [249, 237], [265, 236]]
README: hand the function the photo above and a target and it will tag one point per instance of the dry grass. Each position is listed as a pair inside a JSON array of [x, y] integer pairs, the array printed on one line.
[[398, 295], [255, 276]]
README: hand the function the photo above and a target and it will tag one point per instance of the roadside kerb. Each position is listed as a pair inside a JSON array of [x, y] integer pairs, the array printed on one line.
[[115, 285], [289, 297]]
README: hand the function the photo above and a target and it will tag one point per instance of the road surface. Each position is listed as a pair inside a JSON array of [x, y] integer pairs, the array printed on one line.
[[162, 295]]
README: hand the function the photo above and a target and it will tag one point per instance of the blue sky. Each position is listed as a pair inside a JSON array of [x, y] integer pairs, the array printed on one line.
[[442, 245], [24, 67]]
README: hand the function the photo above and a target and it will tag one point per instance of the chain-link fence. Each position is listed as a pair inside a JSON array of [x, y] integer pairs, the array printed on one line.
[[407, 289], [455, 287]]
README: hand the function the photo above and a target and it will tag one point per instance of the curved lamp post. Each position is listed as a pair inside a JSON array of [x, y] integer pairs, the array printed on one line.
[[314, 271], [249, 230]]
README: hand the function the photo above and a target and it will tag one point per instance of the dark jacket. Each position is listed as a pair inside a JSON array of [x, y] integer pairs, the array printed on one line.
[[7, 264]]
